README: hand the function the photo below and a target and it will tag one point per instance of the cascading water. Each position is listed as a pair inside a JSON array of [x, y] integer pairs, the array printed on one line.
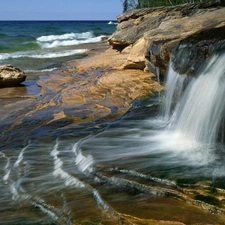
[[102, 176], [174, 88], [195, 121]]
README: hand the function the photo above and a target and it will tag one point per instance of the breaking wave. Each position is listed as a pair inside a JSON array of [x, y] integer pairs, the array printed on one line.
[[41, 55], [44, 46], [67, 36], [68, 39], [42, 71]]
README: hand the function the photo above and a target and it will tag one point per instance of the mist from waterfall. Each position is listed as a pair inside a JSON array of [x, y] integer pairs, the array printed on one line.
[[97, 172], [194, 109]]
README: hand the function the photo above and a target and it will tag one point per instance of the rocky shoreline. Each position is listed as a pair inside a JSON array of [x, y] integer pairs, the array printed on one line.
[[152, 36], [86, 90], [105, 84], [86, 93]]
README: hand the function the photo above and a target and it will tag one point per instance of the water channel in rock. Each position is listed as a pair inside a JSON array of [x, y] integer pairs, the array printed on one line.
[[135, 167]]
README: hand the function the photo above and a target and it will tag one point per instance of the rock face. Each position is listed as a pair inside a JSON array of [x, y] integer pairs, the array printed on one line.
[[196, 48], [11, 76], [153, 34]]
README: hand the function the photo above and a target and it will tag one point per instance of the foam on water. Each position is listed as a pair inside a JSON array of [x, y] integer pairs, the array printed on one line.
[[38, 71], [41, 54], [20, 157], [84, 163], [46, 211], [34, 46], [196, 118], [67, 36], [68, 39], [99, 200], [60, 43], [110, 22], [60, 173], [199, 112], [7, 171]]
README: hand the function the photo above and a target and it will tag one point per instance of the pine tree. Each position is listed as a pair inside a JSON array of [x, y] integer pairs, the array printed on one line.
[[125, 5]]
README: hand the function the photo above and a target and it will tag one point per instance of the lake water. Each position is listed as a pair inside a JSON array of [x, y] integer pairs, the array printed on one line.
[[162, 160], [36, 46]]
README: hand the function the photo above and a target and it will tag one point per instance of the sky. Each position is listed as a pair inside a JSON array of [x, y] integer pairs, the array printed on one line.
[[60, 9]]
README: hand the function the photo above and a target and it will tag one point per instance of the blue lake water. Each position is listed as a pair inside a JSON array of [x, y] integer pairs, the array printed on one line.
[[36, 46], [141, 166]]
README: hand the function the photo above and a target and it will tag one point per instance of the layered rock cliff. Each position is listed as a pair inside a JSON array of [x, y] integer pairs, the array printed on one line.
[[191, 31]]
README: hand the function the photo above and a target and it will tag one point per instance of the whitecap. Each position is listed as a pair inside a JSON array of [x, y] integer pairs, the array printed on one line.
[[110, 22], [48, 55], [67, 36], [42, 71], [60, 43], [41, 55]]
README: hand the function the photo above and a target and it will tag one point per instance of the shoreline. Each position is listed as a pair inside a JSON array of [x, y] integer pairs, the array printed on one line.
[[84, 122], [82, 91]]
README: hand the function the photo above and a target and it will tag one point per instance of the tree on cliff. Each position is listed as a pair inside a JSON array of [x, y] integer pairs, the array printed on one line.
[[135, 4], [125, 5], [129, 4]]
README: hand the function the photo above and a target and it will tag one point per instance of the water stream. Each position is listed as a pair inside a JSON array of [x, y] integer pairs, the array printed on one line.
[[139, 160]]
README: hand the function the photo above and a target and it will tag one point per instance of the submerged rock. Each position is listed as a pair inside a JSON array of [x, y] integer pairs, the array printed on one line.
[[11, 76]]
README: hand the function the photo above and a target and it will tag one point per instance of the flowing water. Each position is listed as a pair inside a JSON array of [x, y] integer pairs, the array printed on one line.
[[135, 166]]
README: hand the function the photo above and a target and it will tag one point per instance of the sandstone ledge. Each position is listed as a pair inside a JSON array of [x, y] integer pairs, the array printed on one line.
[[152, 35], [105, 84], [99, 85], [86, 90], [96, 87]]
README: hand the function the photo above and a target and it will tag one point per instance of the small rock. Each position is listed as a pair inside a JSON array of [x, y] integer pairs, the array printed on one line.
[[11, 76]]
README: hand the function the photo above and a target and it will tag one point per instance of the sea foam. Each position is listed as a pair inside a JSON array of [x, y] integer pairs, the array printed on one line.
[[60, 43], [42, 71], [67, 36], [68, 39], [40, 54]]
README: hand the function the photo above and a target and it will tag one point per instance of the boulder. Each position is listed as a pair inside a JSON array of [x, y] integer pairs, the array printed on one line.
[[136, 58], [11, 76], [154, 33]]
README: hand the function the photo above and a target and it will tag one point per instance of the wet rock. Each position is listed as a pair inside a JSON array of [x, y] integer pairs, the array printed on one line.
[[67, 100], [136, 58], [154, 33], [196, 49], [11, 76]]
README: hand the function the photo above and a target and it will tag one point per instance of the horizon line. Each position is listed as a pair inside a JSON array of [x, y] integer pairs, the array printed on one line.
[[55, 20]]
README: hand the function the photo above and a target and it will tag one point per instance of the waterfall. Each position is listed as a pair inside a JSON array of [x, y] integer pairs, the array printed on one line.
[[200, 105], [175, 86]]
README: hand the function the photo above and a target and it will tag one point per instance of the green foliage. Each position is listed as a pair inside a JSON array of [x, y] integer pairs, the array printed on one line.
[[136, 4], [129, 4], [125, 5]]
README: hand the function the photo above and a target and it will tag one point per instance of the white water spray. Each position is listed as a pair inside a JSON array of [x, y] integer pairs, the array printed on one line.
[[175, 86], [60, 173], [196, 119]]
